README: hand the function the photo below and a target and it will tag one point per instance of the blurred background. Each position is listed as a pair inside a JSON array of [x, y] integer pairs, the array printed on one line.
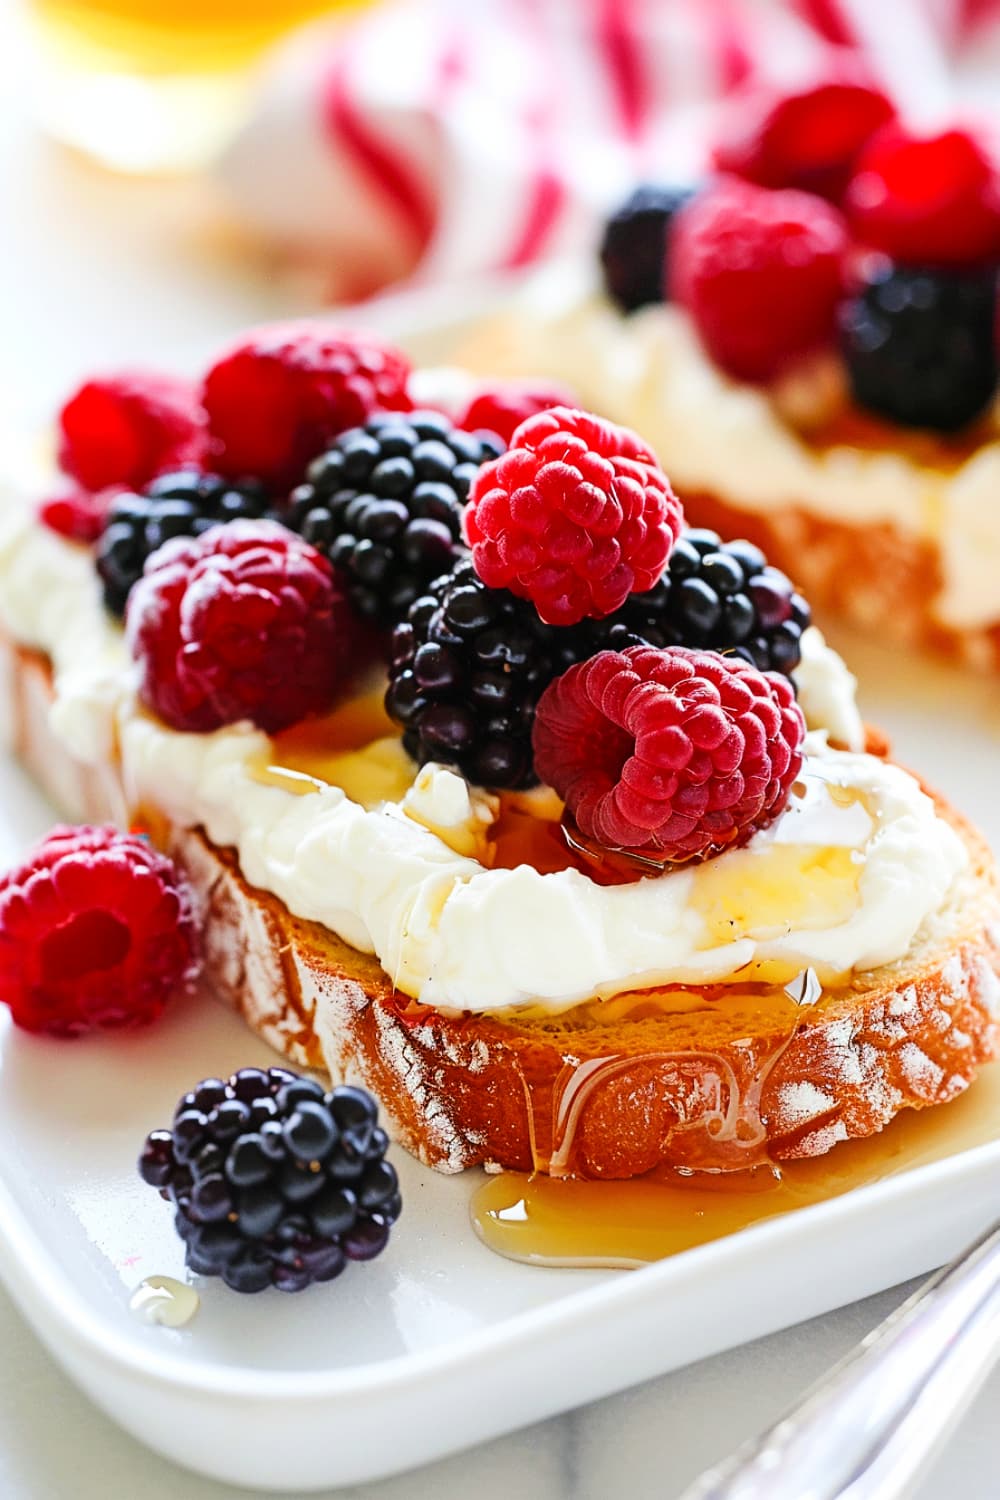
[[173, 169]]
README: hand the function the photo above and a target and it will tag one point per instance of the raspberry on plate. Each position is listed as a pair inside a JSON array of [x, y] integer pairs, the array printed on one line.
[[275, 1181], [759, 272], [502, 407], [576, 516], [96, 932], [244, 622], [282, 393], [926, 200], [125, 428], [673, 752], [806, 138]]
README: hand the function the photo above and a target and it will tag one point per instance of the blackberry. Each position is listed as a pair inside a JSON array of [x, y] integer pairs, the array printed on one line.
[[635, 246], [185, 503], [466, 670], [715, 595], [469, 664], [919, 346], [274, 1181], [385, 503]]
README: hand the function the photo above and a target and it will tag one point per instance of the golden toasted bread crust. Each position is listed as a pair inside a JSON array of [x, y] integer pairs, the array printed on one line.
[[712, 1079]]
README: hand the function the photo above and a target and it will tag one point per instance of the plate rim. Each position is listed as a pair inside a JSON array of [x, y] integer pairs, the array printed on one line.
[[23, 1249]]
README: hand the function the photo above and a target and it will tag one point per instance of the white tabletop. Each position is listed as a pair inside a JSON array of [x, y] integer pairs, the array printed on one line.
[[96, 270]]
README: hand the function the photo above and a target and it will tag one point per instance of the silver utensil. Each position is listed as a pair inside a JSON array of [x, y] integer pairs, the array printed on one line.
[[867, 1429]]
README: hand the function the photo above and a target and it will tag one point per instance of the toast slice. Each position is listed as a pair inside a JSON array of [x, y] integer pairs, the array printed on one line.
[[716, 1079], [878, 576]]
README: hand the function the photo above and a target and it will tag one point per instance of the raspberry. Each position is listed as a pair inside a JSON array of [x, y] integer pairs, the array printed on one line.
[[926, 200], [809, 138], [676, 752], [126, 428], [77, 514], [277, 399], [274, 1181], [501, 408], [246, 621], [576, 516], [759, 271], [96, 932]]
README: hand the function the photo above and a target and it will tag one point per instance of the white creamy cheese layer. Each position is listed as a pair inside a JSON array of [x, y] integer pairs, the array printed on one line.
[[842, 880], [711, 433]]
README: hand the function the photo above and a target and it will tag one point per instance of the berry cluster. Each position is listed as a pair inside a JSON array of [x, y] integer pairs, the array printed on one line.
[[503, 555], [827, 215], [384, 503], [262, 412], [471, 662], [275, 1181]]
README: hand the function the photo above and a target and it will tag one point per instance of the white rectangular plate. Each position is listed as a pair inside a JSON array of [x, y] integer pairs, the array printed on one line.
[[438, 1344]]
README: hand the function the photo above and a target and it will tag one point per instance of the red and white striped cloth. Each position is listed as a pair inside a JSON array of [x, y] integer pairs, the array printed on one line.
[[433, 139]]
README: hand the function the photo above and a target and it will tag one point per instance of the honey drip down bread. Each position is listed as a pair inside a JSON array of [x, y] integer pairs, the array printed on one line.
[[716, 1079]]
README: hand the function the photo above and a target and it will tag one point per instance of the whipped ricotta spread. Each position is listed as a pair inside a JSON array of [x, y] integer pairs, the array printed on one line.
[[711, 433], [841, 881]]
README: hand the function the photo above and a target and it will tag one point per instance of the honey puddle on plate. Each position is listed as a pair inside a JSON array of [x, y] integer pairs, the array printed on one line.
[[574, 1222]]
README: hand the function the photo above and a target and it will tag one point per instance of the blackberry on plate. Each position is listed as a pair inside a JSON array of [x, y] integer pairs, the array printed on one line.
[[636, 243], [714, 595], [275, 1181], [385, 504], [184, 503], [466, 670], [919, 345]]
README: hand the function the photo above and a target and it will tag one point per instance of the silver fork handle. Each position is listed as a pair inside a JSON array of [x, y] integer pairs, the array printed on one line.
[[866, 1430]]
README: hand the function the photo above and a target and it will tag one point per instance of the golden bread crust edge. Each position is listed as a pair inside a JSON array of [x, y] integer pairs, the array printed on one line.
[[608, 1099]]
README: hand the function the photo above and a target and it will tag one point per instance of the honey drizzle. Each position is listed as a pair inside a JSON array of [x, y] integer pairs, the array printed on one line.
[[571, 1221], [732, 1108]]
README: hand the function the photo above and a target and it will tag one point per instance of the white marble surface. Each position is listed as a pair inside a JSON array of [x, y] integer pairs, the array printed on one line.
[[95, 270]]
